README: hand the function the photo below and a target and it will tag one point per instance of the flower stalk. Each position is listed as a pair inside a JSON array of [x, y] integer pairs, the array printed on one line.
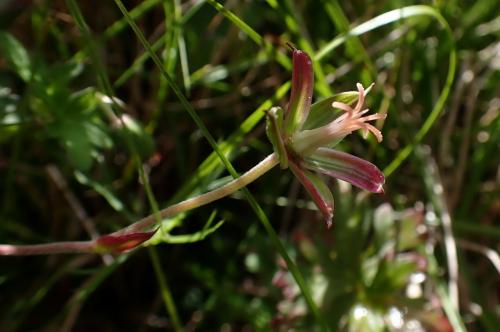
[[303, 138], [134, 235]]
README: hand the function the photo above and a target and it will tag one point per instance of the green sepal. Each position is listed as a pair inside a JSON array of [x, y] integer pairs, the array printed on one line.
[[322, 111], [274, 125]]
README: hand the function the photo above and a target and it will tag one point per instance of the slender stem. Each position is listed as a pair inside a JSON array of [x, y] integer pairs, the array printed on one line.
[[89, 246], [47, 248], [165, 291], [257, 171], [294, 270], [153, 254]]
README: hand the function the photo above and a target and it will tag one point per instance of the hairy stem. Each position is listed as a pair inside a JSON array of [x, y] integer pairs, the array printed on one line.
[[147, 222]]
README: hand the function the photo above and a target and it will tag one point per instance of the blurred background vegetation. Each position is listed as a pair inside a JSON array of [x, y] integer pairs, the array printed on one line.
[[81, 103]]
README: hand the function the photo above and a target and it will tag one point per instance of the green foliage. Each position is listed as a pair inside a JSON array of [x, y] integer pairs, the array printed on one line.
[[79, 92], [16, 55]]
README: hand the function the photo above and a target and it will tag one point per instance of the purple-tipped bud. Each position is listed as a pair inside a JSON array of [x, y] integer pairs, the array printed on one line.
[[302, 91], [122, 243]]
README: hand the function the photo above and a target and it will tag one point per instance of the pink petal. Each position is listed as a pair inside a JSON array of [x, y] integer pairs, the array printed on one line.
[[347, 167], [302, 91], [319, 192]]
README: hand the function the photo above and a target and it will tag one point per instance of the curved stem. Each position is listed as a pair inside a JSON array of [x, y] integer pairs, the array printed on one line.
[[253, 174], [90, 246]]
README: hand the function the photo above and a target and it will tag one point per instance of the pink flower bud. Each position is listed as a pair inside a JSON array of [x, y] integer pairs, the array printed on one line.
[[122, 243], [302, 91]]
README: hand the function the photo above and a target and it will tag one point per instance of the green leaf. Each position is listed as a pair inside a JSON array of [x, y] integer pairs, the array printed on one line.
[[64, 72], [164, 236], [16, 55], [362, 318], [195, 237], [384, 224], [81, 138], [391, 277], [74, 139], [133, 131], [97, 135], [103, 190]]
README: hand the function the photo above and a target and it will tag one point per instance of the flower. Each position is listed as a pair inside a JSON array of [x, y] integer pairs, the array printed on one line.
[[304, 135]]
